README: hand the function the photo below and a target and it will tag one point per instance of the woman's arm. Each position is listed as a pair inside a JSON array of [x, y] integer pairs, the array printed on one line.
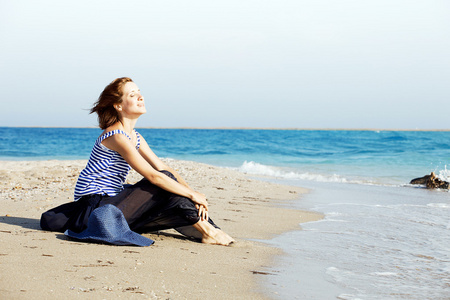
[[121, 144], [156, 163], [159, 165]]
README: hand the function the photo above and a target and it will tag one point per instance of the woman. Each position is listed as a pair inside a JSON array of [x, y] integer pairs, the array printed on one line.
[[161, 200]]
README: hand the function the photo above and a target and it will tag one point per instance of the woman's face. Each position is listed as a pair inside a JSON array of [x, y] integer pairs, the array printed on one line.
[[132, 101]]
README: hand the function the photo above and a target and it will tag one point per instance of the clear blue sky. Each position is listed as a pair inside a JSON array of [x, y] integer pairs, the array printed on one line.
[[258, 63]]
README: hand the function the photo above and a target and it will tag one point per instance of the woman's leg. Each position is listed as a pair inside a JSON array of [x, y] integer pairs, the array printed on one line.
[[181, 213], [147, 207]]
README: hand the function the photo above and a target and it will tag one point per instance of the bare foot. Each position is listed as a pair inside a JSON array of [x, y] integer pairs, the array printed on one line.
[[212, 235], [217, 238]]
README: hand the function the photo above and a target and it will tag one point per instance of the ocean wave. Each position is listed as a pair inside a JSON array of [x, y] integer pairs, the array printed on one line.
[[444, 174], [251, 167], [254, 168]]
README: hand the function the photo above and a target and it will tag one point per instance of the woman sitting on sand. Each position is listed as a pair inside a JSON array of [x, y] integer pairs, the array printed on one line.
[[161, 200]]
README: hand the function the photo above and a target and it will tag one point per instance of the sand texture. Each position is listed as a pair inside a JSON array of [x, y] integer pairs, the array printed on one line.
[[36, 264]]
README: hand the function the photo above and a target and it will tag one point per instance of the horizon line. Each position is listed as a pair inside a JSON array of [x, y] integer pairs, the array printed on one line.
[[249, 128]]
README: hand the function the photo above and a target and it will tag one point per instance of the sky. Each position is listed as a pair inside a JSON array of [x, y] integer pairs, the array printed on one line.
[[381, 64]]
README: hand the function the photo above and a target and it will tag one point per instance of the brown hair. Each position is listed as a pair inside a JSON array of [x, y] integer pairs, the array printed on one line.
[[104, 107]]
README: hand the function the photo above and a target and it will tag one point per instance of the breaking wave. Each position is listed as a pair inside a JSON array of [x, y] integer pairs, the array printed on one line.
[[253, 168], [444, 174]]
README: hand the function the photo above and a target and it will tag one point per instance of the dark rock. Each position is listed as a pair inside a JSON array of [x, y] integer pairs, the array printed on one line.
[[421, 180], [431, 182]]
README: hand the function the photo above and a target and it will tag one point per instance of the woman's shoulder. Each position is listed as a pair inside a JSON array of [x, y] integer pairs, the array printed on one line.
[[117, 133], [117, 138], [114, 137]]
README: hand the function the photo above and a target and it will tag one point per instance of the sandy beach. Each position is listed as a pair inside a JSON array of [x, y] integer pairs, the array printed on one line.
[[36, 264]]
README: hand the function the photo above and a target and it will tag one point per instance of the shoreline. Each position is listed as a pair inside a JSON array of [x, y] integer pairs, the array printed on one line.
[[37, 263]]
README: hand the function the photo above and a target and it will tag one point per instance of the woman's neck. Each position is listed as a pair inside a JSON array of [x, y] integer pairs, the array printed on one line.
[[128, 125]]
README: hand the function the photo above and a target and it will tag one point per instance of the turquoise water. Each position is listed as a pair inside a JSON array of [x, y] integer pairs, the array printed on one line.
[[381, 157], [380, 239]]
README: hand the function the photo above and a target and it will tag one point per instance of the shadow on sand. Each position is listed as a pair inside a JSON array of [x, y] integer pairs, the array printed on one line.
[[22, 222]]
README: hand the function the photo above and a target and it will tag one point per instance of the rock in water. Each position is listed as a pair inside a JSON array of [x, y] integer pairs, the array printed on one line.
[[421, 180], [431, 182]]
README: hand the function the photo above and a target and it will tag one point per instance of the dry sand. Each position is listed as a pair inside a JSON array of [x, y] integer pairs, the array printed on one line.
[[36, 264]]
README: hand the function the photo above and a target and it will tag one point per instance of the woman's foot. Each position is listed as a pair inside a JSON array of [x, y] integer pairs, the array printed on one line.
[[212, 235], [218, 238]]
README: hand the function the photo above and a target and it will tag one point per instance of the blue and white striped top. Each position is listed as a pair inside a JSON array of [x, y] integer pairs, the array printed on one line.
[[106, 170]]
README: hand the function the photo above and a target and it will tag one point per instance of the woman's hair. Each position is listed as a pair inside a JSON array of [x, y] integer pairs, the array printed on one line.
[[104, 107]]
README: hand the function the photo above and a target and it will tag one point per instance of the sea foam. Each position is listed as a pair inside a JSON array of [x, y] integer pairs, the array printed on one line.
[[254, 168]]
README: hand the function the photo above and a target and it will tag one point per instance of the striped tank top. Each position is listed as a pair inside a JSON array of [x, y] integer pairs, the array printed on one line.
[[106, 170]]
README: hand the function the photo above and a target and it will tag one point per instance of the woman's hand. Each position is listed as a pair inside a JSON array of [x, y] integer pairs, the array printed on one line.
[[202, 212], [200, 199], [201, 204]]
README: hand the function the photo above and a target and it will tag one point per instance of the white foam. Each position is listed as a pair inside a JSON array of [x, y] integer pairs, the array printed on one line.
[[384, 274], [334, 214], [254, 168], [348, 297], [444, 174], [264, 170], [439, 205]]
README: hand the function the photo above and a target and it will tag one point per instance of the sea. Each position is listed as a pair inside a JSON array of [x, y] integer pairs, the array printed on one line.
[[380, 238]]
